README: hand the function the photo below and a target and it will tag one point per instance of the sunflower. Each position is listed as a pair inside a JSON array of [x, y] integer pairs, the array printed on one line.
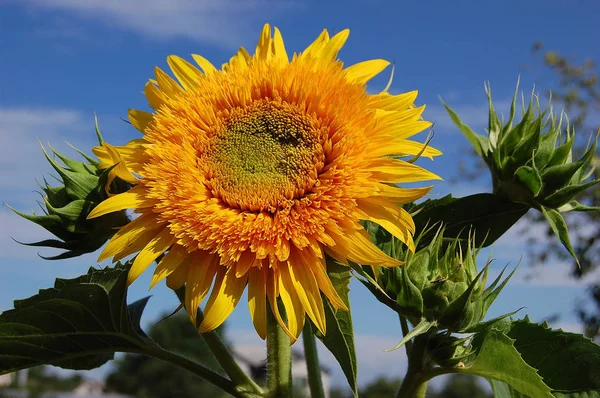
[[252, 174]]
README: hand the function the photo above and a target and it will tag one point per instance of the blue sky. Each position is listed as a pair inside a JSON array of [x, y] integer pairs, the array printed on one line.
[[63, 60]]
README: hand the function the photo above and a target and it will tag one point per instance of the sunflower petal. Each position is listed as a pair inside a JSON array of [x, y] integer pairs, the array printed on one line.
[[257, 300], [135, 198], [364, 71], [225, 296], [157, 246], [279, 51], [169, 263], [140, 119], [207, 67], [307, 288], [202, 269], [291, 302], [177, 278], [186, 73]]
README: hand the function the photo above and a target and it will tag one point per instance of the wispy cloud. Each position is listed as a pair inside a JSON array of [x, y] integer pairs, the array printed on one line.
[[222, 22]]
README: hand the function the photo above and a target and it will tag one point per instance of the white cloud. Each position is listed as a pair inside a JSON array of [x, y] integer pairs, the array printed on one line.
[[21, 159], [223, 22], [372, 360]]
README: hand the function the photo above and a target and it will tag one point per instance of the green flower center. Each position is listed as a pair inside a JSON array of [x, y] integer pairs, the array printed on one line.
[[264, 156]]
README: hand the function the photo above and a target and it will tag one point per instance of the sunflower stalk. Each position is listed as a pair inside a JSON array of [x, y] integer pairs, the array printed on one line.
[[414, 384], [279, 359], [222, 354], [312, 361]]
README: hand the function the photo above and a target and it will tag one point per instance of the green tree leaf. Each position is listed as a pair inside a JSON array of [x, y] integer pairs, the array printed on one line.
[[569, 363], [339, 339], [497, 358], [485, 213]]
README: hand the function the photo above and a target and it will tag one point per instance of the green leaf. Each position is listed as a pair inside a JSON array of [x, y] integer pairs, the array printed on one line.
[[568, 362], [496, 358], [530, 178], [487, 214], [560, 229], [479, 143], [576, 206], [503, 390], [78, 324], [339, 339]]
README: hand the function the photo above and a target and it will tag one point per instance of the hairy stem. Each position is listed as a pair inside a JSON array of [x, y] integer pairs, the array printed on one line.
[[279, 359], [312, 361], [414, 384]]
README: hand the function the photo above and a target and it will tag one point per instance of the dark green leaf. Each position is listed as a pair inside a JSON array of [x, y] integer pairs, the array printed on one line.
[[487, 214], [421, 328], [496, 358], [339, 339], [568, 362], [576, 206], [77, 324], [503, 390]]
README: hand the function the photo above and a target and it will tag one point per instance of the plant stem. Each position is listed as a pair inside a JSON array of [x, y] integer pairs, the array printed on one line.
[[312, 361], [223, 355], [404, 325], [414, 384], [195, 368], [279, 359]]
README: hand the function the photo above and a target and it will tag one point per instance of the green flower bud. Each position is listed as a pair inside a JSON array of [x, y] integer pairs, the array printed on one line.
[[532, 161], [67, 206], [440, 283]]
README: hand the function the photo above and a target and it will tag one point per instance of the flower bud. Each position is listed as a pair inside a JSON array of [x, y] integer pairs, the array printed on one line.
[[67, 206]]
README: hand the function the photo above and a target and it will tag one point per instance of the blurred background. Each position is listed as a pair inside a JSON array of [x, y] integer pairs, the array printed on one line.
[[63, 60]]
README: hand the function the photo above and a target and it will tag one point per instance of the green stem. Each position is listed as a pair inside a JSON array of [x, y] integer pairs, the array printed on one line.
[[312, 361], [279, 359], [195, 368], [404, 325], [414, 384], [223, 355]]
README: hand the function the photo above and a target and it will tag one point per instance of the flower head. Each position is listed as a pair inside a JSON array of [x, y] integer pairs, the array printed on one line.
[[252, 174]]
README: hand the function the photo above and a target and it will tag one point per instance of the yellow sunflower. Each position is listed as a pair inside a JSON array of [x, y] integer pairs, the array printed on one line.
[[252, 174]]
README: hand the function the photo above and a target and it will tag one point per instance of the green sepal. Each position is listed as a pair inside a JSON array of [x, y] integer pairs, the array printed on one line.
[[531, 178], [565, 194], [560, 229], [421, 328], [479, 143], [574, 205]]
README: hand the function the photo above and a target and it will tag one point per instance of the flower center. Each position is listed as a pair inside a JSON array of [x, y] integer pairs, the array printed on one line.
[[264, 156]]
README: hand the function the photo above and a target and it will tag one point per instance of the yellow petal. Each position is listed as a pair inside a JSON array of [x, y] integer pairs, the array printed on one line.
[[154, 96], [358, 248], [129, 234], [173, 259], [120, 170], [244, 263], [398, 171], [291, 302], [135, 198], [167, 84], [263, 48], [330, 50], [240, 60], [396, 222], [307, 288], [153, 249], [326, 286], [272, 294], [397, 195], [403, 148], [257, 300], [279, 47], [202, 269], [140, 119], [177, 278], [186, 73], [390, 102], [204, 64], [316, 45], [224, 297], [364, 71]]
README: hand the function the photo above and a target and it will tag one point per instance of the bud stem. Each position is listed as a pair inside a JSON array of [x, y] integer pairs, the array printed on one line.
[[414, 384], [404, 325], [312, 361]]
